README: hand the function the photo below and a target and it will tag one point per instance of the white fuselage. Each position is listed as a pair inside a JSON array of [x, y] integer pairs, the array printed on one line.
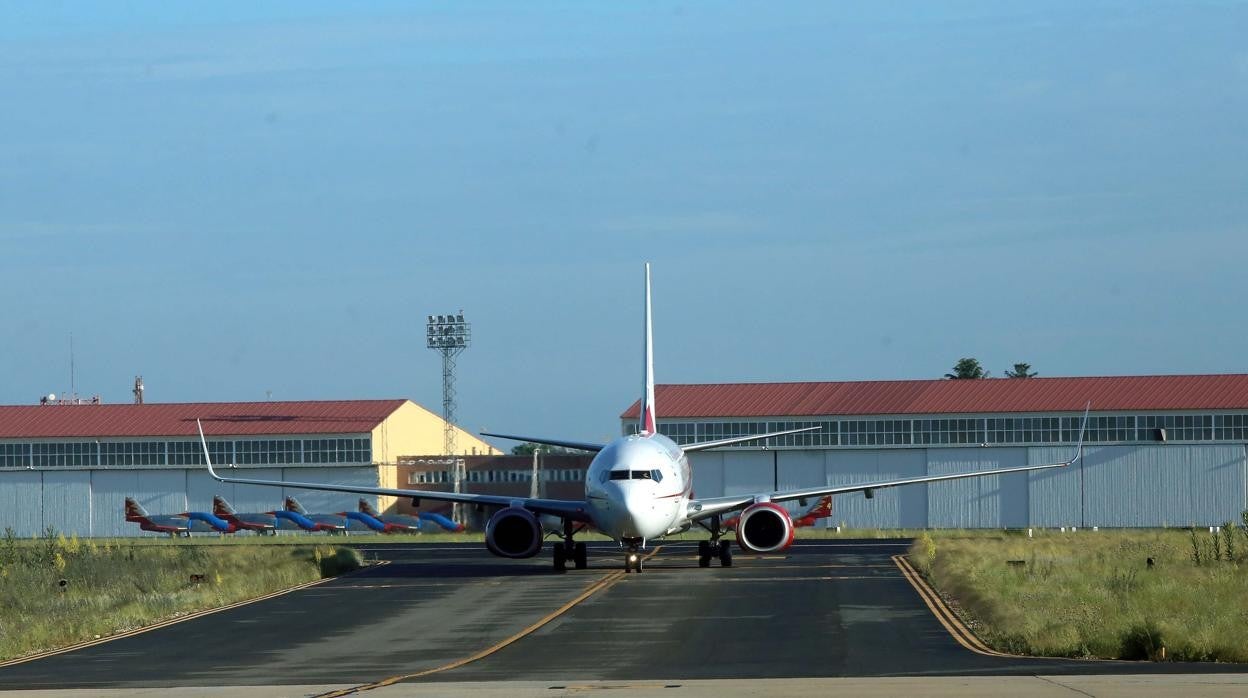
[[638, 488]]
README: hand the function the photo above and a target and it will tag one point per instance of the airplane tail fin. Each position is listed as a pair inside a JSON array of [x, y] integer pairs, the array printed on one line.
[[134, 509], [293, 504], [220, 507], [366, 508], [822, 508], [648, 418]]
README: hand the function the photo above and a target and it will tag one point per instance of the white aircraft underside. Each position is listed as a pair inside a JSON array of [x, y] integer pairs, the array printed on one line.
[[638, 488]]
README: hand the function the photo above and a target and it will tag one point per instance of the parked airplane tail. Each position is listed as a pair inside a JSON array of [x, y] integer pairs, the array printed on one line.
[[821, 510], [134, 510], [293, 504], [366, 508], [220, 507]]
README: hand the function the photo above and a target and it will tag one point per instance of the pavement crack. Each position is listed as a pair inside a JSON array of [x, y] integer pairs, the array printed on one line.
[[1062, 685]]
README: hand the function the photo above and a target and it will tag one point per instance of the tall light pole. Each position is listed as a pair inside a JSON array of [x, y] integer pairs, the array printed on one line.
[[450, 335]]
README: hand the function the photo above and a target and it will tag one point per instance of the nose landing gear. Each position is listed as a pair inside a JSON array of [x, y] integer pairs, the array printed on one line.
[[632, 559]]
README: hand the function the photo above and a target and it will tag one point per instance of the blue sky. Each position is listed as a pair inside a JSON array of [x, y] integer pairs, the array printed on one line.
[[235, 199]]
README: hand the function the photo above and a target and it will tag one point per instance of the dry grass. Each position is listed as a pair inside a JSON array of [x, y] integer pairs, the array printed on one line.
[[113, 587], [1092, 594]]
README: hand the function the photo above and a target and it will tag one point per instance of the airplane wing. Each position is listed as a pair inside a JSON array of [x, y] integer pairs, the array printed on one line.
[[574, 510], [703, 445], [703, 508], [579, 445]]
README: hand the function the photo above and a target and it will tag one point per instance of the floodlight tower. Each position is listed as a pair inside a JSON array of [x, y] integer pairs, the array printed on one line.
[[449, 335]]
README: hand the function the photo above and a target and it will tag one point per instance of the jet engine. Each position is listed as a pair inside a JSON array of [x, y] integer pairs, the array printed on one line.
[[764, 527], [513, 532]]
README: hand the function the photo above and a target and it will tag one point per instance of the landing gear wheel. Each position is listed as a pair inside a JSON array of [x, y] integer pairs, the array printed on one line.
[[632, 561], [725, 555], [704, 553], [580, 556], [561, 558]]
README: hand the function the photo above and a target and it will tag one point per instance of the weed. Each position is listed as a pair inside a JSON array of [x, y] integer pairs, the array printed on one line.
[[1141, 641], [1196, 547]]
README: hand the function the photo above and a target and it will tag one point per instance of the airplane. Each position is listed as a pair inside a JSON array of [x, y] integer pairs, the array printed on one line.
[[359, 518], [393, 523], [294, 511], [405, 523], [175, 524], [261, 523], [638, 489]]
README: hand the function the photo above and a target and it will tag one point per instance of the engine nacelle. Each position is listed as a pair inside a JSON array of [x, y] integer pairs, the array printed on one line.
[[764, 528], [513, 532]]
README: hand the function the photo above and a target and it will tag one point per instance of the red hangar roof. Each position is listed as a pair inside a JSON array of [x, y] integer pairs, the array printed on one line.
[[981, 396], [178, 419]]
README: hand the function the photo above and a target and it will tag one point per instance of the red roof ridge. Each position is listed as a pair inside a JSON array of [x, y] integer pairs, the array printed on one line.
[[945, 396]]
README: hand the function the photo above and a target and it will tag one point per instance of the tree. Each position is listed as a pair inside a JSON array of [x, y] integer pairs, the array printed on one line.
[[527, 448], [967, 368], [1021, 371]]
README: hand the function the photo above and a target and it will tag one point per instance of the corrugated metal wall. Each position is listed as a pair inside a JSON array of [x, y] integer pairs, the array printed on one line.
[[92, 502], [1113, 486]]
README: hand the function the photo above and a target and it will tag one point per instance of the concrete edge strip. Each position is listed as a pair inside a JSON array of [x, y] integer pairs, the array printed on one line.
[[942, 612], [602, 583], [181, 619]]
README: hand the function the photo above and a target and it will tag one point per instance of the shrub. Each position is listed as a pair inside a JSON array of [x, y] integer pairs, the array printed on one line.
[[336, 561], [1141, 641]]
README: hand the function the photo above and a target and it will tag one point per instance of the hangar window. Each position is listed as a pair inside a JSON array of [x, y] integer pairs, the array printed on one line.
[[14, 455], [132, 453], [192, 453], [336, 451], [63, 454]]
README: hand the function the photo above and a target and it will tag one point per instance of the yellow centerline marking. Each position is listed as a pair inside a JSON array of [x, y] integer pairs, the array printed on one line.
[[602, 583], [956, 628], [180, 619]]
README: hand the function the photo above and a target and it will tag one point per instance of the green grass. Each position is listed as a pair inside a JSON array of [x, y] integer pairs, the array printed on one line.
[[112, 587], [1091, 593]]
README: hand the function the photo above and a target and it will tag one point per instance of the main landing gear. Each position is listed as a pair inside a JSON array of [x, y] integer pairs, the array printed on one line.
[[570, 550], [714, 547]]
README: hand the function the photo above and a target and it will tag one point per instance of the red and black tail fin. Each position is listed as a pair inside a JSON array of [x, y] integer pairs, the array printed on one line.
[[220, 507], [134, 510]]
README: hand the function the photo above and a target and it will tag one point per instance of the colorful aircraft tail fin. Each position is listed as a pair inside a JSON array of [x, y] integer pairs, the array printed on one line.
[[821, 510], [366, 508], [648, 419], [134, 510], [293, 504], [220, 507]]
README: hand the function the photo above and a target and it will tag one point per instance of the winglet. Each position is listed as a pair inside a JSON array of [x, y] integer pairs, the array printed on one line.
[[207, 459], [1083, 428]]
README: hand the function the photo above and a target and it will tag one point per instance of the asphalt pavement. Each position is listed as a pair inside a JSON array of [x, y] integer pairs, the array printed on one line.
[[821, 609]]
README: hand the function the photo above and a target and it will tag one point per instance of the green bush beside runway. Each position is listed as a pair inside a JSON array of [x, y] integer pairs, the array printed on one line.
[[56, 591], [1095, 593]]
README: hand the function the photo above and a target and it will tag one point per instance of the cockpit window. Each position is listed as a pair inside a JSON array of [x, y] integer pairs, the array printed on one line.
[[655, 475]]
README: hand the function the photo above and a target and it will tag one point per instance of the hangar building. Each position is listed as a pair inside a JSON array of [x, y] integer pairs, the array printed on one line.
[[1161, 450], [71, 466]]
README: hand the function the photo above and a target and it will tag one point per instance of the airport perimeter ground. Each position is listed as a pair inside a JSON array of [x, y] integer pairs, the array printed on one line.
[[827, 616]]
